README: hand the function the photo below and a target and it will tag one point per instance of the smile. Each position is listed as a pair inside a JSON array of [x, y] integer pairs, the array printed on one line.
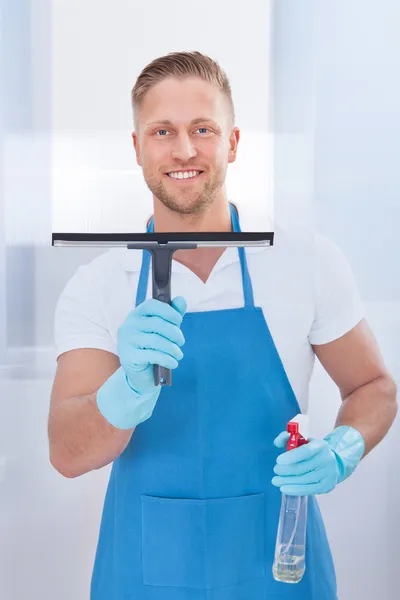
[[183, 176]]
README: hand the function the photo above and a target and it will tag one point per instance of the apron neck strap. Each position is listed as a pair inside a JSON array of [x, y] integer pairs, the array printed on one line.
[[246, 280]]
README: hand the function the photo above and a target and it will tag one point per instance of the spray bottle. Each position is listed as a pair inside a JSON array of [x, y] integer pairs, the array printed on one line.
[[289, 564]]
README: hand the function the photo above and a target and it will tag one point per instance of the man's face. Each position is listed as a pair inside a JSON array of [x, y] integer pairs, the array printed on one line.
[[185, 125]]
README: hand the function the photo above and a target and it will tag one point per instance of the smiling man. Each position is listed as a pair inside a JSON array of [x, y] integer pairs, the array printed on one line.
[[162, 145], [192, 505]]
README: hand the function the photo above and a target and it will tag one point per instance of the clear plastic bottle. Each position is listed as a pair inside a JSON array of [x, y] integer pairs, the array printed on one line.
[[290, 551], [289, 564]]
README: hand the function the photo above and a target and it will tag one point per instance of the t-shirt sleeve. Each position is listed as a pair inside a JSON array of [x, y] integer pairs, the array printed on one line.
[[79, 320], [338, 305]]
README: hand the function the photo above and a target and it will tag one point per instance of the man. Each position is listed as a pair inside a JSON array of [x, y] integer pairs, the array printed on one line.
[[190, 511]]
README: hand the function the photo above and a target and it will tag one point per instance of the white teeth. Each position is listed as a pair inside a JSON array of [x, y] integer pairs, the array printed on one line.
[[186, 175]]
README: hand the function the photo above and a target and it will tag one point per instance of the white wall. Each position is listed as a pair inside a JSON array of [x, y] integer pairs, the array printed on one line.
[[336, 124]]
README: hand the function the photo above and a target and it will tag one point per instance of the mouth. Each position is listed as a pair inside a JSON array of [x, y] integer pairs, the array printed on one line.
[[183, 177]]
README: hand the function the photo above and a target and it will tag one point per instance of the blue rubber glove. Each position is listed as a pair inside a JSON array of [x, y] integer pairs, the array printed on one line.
[[317, 467], [150, 335]]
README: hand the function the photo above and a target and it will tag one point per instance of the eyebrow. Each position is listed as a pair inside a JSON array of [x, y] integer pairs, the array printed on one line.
[[194, 122]]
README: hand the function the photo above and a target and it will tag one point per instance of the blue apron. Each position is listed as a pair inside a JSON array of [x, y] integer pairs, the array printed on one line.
[[190, 512]]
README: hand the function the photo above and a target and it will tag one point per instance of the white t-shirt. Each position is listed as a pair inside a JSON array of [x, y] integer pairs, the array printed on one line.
[[303, 284]]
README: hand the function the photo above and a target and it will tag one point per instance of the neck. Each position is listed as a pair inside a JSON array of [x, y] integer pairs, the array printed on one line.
[[214, 218]]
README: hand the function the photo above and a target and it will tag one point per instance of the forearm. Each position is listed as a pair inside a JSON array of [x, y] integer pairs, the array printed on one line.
[[81, 439], [371, 410]]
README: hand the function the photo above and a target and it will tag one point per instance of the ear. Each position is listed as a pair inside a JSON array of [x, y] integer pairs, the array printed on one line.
[[136, 146], [233, 144]]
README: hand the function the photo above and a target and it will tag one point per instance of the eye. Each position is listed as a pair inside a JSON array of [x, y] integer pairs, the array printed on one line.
[[203, 128], [165, 130]]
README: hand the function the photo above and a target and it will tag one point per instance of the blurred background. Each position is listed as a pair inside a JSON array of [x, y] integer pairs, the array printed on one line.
[[317, 98]]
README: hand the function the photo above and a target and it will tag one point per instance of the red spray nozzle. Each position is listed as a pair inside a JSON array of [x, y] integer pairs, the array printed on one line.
[[295, 439]]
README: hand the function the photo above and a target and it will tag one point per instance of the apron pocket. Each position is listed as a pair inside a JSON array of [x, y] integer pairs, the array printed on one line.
[[204, 544]]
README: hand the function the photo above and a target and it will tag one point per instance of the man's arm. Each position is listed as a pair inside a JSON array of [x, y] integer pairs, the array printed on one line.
[[80, 438], [355, 364]]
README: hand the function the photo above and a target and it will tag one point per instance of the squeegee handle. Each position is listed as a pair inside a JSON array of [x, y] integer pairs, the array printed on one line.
[[162, 261], [162, 266]]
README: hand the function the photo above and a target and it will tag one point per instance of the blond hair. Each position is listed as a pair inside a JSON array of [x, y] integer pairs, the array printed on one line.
[[181, 65]]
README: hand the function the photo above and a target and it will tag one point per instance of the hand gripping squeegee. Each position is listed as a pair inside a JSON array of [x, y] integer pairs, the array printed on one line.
[[162, 247], [161, 255]]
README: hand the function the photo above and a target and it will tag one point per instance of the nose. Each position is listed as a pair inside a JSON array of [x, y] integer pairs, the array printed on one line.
[[183, 148]]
